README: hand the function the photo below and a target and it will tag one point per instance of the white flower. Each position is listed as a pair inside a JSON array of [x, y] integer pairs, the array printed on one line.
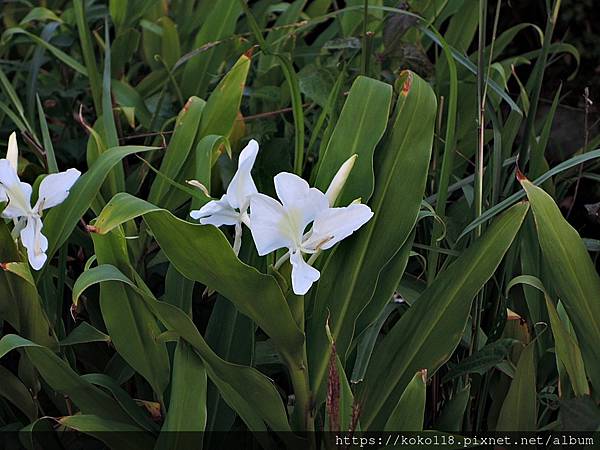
[[232, 207], [278, 225], [53, 190]]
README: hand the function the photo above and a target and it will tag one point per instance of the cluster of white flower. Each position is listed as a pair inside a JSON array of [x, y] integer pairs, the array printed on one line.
[[283, 224], [274, 224], [53, 190]]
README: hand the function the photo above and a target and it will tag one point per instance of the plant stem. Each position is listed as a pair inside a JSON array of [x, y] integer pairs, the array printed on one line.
[[586, 140], [303, 418]]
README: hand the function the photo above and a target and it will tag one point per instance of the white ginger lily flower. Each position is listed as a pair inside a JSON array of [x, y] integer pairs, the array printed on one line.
[[54, 189], [232, 207], [278, 225]]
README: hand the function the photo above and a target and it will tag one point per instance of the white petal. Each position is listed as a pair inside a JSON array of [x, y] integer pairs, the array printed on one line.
[[290, 188], [17, 193], [269, 225], [3, 197], [335, 224], [54, 189], [35, 242], [217, 213], [303, 202], [19, 225], [242, 185], [19, 199], [303, 275], [12, 153]]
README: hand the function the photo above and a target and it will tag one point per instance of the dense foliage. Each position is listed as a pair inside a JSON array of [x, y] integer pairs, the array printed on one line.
[[461, 300]]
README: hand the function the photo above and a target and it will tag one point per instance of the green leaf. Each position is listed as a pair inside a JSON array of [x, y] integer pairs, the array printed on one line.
[[567, 350], [429, 332], [116, 175], [58, 374], [223, 104], [483, 360], [131, 325], [9, 91], [273, 41], [170, 47], [87, 50], [509, 201], [20, 302], [245, 389], [210, 260], [219, 24], [344, 290], [116, 435], [13, 390], [40, 14], [61, 220], [84, 334], [387, 285], [573, 274], [134, 411], [581, 414], [179, 147], [127, 96], [231, 335], [519, 410], [409, 413], [202, 253], [452, 415], [187, 405], [64, 57], [48, 147], [359, 129]]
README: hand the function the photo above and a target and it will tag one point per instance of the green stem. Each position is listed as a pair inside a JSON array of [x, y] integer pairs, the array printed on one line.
[[303, 417], [365, 41]]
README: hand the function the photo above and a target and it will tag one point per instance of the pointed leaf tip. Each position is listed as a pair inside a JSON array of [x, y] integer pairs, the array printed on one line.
[[407, 83], [520, 176]]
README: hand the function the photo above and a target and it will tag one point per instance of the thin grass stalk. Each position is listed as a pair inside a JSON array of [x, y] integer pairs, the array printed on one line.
[[479, 156], [47, 141], [89, 58], [365, 41], [537, 78], [447, 158]]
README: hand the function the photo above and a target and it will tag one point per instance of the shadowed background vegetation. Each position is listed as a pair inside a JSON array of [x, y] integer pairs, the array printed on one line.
[[468, 303]]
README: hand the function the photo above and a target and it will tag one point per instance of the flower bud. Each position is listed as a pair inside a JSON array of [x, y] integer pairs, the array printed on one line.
[[199, 185], [12, 153], [339, 180]]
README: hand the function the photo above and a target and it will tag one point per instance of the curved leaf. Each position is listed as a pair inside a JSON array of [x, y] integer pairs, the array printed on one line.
[[429, 332], [409, 413], [60, 221], [361, 125], [245, 389], [187, 405], [346, 288], [573, 274], [519, 410], [202, 253], [116, 435], [57, 373]]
